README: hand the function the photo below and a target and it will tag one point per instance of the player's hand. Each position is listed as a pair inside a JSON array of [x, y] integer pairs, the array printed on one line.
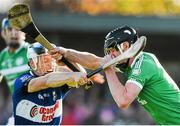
[[56, 53], [98, 78], [106, 59], [81, 78]]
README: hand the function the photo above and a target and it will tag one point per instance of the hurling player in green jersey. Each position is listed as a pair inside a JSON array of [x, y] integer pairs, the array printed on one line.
[[147, 82], [13, 60]]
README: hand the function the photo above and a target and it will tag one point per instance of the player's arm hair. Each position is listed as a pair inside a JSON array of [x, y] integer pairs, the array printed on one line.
[[52, 80], [86, 59]]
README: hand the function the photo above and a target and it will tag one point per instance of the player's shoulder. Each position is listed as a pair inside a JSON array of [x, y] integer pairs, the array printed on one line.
[[22, 79], [5, 50], [148, 55], [150, 58], [144, 66], [144, 59]]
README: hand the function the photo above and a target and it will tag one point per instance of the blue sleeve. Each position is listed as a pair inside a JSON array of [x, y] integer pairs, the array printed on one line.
[[21, 83]]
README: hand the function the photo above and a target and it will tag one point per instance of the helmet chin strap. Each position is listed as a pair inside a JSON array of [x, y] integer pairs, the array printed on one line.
[[120, 48]]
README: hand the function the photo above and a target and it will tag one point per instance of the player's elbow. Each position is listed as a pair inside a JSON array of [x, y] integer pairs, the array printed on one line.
[[123, 104]]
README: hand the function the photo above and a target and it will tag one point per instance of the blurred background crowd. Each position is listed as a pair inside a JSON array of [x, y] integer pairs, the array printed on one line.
[[82, 25]]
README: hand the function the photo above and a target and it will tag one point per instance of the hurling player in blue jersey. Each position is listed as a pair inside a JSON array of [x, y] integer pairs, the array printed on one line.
[[38, 95]]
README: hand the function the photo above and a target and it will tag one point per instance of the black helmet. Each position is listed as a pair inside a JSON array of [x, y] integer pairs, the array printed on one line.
[[118, 36], [35, 49]]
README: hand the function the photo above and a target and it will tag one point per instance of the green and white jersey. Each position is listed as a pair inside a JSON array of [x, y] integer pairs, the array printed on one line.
[[14, 64], [159, 95]]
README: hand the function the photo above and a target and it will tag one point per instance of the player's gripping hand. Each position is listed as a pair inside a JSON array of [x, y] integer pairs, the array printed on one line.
[[57, 52], [106, 59], [79, 79]]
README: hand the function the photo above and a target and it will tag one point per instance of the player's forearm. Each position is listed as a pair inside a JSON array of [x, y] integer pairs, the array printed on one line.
[[117, 90], [88, 60], [55, 79], [58, 79]]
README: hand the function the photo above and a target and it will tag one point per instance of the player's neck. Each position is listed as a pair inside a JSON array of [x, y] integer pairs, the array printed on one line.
[[12, 50]]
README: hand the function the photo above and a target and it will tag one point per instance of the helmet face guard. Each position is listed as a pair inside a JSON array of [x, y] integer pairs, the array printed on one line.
[[116, 38], [112, 43], [42, 61]]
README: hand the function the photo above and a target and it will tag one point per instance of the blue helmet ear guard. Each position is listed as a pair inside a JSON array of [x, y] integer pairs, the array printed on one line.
[[5, 23]]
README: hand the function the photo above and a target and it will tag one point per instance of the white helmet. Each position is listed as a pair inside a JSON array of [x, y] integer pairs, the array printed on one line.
[[33, 53], [35, 50]]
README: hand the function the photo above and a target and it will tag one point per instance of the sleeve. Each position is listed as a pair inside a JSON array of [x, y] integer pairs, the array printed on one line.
[[21, 83], [141, 73]]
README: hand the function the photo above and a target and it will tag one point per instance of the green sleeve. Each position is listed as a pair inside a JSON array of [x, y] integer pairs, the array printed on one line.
[[142, 72]]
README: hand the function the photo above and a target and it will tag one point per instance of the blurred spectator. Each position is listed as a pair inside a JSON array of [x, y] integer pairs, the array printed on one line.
[[13, 60]]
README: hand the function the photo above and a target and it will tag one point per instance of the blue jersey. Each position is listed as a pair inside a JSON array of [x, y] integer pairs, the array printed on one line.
[[43, 107]]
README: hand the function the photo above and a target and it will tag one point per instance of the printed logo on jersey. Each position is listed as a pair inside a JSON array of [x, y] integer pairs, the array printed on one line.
[[136, 71], [141, 101], [25, 78], [34, 111], [48, 112], [37, 113]]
